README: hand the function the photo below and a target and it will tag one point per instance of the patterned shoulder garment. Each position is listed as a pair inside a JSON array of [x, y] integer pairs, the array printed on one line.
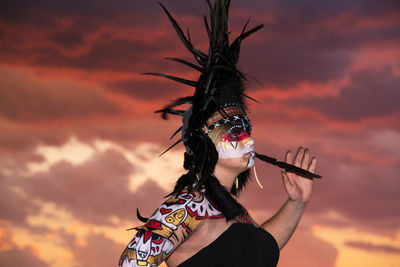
[[167, 228]]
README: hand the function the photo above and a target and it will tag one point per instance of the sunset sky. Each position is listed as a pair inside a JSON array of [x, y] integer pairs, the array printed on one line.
[[79, 141]]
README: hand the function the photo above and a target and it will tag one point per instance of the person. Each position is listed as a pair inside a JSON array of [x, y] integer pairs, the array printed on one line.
[[201, 223]]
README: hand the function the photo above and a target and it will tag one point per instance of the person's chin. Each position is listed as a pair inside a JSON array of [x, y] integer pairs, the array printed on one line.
[[250, 164]]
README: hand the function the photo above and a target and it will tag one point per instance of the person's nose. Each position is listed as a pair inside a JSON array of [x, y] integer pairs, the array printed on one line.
[[250, 142]]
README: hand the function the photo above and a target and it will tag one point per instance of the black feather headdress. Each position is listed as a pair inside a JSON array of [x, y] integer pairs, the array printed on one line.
[[219, 95]]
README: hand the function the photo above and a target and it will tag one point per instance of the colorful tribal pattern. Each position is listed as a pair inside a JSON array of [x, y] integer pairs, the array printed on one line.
[[242, 118], [167, 228], [235, 143], [146, 249]]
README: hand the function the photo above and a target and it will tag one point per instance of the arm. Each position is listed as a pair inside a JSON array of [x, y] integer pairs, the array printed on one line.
[[282, 225], [167, 228], [146, 249]]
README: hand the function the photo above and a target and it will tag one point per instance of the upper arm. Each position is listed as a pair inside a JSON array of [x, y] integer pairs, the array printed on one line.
[[146, 249], [167, 228]]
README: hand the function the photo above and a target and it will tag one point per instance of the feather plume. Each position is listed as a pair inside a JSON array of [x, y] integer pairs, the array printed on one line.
[[200, 57], [176, 79]]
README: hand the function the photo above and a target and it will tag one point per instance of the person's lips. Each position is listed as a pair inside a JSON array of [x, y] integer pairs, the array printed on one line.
[[251, 153]]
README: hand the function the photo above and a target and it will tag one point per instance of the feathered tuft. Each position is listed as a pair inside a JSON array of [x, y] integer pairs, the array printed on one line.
[[219, 86]]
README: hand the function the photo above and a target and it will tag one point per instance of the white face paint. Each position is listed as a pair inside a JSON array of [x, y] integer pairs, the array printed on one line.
[[236, 143]]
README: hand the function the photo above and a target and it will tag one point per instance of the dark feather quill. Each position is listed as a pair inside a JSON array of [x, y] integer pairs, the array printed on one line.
[[288, 167]]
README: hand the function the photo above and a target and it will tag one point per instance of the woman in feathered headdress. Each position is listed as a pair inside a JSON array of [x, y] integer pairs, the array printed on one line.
[[201, 223]]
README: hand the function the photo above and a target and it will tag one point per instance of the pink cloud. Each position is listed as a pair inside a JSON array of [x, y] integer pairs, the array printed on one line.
[[373, 247], [306, 250], [10, 254], [75, 69], [27, 97], [21, 257], [85, 190], [99, 251]]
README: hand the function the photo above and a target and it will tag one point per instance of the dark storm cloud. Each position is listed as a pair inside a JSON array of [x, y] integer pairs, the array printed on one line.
[[282, 65], [118, 54], [72, 35], [315, 41], [157, 88], [85, 190], [119, 11], [20, 140], [31, 40], [325, 56], [316, 10], [26, 97], [370, 247], [40, 13], [289, 50], [369, 94]]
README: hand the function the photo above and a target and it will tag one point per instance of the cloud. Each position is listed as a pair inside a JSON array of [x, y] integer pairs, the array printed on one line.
[[10, 254], [72, 69], [371, 247], [304, 249], [288, 51], [15, 205], [85, 190], [359, 181], [145, 157], [119, 55], [21, 138], [73, 152], [21, 257], [83, 185], [368, 94], [354, 256], [85, 43], [364, 195], [285, 64], [149, 89], [97, 250], [50, 11], [317, 41], [24, 96], [72, 33]]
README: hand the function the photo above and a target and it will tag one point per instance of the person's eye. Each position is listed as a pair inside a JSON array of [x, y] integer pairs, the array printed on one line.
[[235, 136]]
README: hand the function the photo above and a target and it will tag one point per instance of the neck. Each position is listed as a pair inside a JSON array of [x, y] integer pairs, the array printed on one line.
[[226, 176]]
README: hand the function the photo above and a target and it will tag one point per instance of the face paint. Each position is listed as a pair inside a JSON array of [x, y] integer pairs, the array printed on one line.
[[235, 143], [237, 119]]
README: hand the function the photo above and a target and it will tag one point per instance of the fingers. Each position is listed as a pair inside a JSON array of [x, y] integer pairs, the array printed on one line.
[[299, 157], [313, 163], [286, 180], [288, 157], [302, 159]]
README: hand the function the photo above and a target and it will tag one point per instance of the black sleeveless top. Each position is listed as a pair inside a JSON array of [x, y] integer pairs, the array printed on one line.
[[240, 245]]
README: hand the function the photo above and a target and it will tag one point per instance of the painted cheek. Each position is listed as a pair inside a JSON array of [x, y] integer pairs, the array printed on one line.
[[235, 149]]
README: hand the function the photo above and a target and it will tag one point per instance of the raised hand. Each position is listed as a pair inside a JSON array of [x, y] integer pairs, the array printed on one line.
[[297, 187]]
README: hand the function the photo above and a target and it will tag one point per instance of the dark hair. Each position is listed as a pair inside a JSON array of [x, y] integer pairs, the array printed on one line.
[[206, 179], [219, 86]]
